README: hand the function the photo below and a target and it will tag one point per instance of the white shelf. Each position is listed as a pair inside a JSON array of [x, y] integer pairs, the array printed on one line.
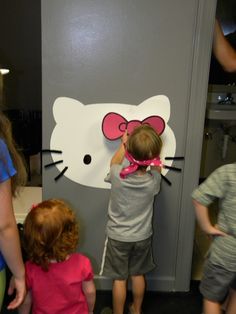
[[221, 112]]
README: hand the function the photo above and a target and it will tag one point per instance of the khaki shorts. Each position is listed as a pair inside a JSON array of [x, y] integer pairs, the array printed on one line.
[[2, 286], [124, 259], [216, 282]]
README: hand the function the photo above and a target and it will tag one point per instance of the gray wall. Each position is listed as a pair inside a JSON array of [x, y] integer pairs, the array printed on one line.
[[125, 52]]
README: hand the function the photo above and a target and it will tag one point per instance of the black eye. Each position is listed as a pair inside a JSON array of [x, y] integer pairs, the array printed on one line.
[[87, 159]]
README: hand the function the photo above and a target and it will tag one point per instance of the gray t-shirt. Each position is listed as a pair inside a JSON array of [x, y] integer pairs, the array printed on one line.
[[221, 185], [131, 204]]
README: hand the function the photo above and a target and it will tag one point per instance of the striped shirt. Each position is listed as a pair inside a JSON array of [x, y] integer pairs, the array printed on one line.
[[221, 185]]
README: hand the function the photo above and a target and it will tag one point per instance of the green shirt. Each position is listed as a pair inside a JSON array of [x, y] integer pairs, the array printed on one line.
[[221, 185]]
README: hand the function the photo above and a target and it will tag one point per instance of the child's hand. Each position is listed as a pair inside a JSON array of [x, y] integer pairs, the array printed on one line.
[[214, 232], [124, 137], [18, 285]]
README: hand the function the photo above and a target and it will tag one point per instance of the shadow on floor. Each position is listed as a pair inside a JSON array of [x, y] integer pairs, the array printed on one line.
[[154, 302]]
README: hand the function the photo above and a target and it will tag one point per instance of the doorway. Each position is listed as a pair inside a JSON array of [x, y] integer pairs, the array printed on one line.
[[219, 141]]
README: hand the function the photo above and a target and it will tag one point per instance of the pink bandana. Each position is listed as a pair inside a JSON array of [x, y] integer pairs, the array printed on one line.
[[134, 164], [33, 206]]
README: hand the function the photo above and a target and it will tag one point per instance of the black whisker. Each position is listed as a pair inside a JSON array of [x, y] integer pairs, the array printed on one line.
[[173, 168], [174, 158], [61, 174], [166, 180], [51, 151], [53, 164]]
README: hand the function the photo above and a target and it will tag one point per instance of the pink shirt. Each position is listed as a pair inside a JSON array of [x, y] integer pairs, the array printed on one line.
[[59, 290]]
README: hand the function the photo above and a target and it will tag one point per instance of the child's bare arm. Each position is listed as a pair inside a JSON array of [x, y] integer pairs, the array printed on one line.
[[224, 52], [119, 155], [90, 294], [203, 219], [25, 307]]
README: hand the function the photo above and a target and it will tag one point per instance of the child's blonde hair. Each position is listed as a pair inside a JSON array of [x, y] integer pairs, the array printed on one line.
[[50, 232], [144, 143]]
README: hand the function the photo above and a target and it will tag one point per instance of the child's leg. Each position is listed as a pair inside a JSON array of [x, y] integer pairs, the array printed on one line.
[[138, 289], [231, 305], [119, 296], [214, 287], [211, 307], [224, 305]]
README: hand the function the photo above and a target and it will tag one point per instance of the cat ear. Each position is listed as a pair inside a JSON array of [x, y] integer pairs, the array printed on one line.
[[64, 106], [157, 105]]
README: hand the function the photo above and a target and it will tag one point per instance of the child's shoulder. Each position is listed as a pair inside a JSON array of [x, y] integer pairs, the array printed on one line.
[[79, 257], [3, 147], [228, 166], [227, 169]]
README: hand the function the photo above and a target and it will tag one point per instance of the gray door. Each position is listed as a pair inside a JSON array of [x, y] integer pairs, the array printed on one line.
[[121, 53]]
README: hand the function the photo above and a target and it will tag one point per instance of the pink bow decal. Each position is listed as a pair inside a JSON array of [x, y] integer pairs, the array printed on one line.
[[114, 125]]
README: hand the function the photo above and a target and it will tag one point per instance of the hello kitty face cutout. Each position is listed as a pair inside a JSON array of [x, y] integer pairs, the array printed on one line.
[[78, 146]]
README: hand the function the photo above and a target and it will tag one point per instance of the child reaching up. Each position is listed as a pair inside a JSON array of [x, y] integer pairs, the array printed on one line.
[[128, 250], [58, 279]]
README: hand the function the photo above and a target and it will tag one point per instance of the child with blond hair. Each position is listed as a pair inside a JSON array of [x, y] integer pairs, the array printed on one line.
[[128, 249]]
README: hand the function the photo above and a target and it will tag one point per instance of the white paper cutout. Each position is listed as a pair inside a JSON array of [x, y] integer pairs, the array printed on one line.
[[78, 134]]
